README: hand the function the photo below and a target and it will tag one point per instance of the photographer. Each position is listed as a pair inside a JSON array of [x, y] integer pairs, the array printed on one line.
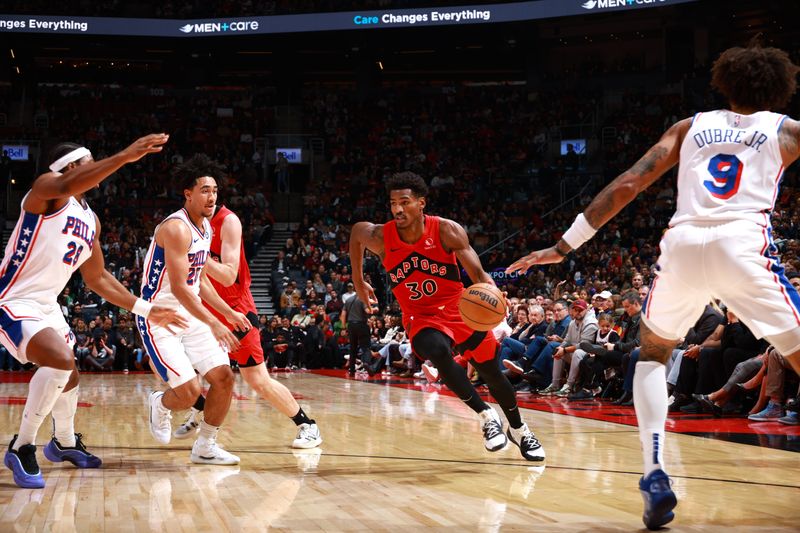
[[102, 356]]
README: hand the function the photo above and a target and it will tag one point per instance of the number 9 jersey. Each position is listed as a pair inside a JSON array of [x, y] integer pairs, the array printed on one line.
[[730, 168], [44, 251]]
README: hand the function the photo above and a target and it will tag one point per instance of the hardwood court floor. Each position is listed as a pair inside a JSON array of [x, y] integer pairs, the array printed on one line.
[[392, 460]]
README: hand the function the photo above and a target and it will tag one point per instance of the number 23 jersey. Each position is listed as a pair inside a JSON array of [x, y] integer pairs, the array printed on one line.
[[730, 168], [44, 251], [424, 277]]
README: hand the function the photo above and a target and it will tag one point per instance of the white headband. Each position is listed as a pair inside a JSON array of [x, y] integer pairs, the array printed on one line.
[[75, 155]]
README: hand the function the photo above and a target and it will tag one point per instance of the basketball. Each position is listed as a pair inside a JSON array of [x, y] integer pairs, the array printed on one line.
[[482, 306]]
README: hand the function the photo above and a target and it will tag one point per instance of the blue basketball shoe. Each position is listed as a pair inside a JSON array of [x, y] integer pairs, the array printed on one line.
[[77, 455], [659, 500], [22, 463]]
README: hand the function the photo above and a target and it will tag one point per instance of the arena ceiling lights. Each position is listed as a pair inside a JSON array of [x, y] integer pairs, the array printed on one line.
[[450, 16]]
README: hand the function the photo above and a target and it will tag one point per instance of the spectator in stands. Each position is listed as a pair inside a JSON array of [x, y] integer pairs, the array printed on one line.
[[102, 355], [718, 359], [538, 360], [684, 369], [351, 291], [302, 319], [615, 354], [722, 401], [530, 324], [777, 371], [605, 335], [126, 343], [582, 328]]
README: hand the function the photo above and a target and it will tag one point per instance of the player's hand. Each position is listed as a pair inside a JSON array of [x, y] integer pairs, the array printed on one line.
[[366, 294], [239, 321], [167, 317], [149, 144], [559, 353], [226, 339], [539, 257]]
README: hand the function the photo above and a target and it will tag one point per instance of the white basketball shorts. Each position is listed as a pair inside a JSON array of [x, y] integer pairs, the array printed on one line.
[[176, 356], [731, 261], [20, 320]]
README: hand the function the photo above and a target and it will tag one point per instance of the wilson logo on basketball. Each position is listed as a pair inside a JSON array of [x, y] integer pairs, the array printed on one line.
[[488, 298]]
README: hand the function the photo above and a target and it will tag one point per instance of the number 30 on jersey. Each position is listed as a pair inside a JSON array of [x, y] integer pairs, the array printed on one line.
[[418, 290]]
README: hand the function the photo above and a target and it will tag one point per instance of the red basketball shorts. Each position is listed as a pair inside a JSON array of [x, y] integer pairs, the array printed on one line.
[[250, 352], [466, 341]]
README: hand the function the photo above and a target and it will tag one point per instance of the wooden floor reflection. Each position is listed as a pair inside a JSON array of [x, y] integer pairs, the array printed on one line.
[[392, 460]]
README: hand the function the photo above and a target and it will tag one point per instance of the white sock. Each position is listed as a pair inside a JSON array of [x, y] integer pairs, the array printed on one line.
[[650, 401], [194, 413], [43, 391], [64, 417], [207, 431]]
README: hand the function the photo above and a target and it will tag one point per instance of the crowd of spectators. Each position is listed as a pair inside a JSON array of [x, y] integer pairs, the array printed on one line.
[[488, 154]]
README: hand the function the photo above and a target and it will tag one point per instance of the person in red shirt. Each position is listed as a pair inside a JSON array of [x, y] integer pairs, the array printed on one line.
[[420, 254], [230, 276]]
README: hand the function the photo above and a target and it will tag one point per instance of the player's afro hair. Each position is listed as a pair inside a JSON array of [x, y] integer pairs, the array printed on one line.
[[755, 78], [197, 166]]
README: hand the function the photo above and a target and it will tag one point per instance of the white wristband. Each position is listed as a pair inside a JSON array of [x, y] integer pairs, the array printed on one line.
[[141, 308], [579, 232]]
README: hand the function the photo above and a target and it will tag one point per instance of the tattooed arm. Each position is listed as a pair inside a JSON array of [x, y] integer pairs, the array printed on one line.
[[619, 193], [789, 140]]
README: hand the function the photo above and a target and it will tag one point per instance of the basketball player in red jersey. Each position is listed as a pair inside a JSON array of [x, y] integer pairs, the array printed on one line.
[[420, 254], [230, 276]]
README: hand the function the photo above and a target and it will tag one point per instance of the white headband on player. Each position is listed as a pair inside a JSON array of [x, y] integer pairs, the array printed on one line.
[[75, 155]]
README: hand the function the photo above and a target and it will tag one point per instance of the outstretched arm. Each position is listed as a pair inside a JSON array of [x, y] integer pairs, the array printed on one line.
[[100, 280], [54, 185], [363, 236], [613, 198]]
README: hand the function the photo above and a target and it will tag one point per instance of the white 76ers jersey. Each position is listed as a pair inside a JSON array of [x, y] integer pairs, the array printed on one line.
[[155, 284], [730, 167], [44, 251]]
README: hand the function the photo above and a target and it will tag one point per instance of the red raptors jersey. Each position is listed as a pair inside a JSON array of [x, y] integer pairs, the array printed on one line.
[[425, 278], [240, 290]]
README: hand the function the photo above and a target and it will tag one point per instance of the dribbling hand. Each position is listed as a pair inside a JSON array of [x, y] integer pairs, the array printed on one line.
[[539, 257], [148, 144], [366, 294], [166, 317]]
